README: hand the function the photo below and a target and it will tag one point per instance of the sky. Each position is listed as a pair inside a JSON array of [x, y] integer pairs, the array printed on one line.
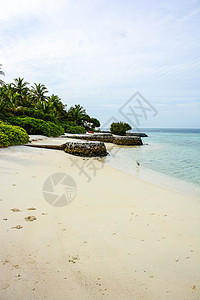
[[130, 60]]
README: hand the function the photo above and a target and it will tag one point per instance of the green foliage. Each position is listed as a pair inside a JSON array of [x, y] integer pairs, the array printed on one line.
[[19, 98], [38, 92], [119, 128], [34, 113], [1, 73], [77, 114], [90, 123], [36, 126], [12, 135], [71, 127]]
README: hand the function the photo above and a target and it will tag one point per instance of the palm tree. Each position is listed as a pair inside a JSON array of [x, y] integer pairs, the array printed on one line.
[[21, 88], [8, 99], [1, 73], [77, 114], [2, 100], [11, 96], [43, 106], [57, 107], [38, 92]]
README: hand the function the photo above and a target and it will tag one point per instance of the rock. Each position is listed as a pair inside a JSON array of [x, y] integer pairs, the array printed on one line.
[[115, 139], [79, 148], [141, 134], [87, 149], [127, 141]]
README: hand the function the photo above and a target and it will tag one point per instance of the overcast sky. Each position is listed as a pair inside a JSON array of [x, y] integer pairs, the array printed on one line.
[[100, 52]]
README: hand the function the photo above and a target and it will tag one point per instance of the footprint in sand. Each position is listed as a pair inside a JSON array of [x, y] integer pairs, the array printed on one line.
[[74, 259], [5, 286], [5, 261], [15, 266], [194, 287], [101, 289], [30, 218], [17, 227], [15, 210]]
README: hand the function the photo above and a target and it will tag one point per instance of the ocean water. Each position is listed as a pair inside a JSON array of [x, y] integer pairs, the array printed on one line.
[[170, 157]]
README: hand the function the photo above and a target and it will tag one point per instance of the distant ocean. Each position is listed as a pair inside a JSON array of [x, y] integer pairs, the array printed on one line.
[[170, 157]]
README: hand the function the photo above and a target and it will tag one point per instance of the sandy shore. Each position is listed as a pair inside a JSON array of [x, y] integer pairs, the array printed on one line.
[[120, 238]]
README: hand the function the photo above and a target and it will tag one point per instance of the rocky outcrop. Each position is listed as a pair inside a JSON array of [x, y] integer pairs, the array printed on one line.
[[115, 139], [88, 145], [127, 140], [89, 149], [141, 134], [78, 148]]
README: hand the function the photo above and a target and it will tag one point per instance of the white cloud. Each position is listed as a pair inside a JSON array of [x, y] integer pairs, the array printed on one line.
[[17, 8]]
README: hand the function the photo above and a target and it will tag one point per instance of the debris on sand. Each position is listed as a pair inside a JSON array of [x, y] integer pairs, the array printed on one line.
[[17, 227], [74, 259], [16, 210], [30, 218]]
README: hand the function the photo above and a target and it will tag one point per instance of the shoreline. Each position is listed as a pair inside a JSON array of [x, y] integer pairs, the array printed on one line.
[[155, 177], [129, 239], [146, 174]]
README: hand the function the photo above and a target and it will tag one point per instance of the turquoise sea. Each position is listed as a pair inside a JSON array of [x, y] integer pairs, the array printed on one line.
[[170, 157]]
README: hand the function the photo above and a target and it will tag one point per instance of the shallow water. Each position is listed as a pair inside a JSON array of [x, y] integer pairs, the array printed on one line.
[[171, 156]]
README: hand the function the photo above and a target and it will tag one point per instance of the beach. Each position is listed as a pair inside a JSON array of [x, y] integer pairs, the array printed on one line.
[[120, 237]]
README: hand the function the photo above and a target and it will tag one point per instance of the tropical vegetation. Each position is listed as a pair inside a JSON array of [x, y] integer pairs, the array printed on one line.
[[119, 128], [12, 135], [32, 108], [36, 126]]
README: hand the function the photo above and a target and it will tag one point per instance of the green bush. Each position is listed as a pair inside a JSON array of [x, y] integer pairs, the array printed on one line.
[[4, 141], [37, 126], [12, 135], [34, 113], [73, 128], [119, 128]]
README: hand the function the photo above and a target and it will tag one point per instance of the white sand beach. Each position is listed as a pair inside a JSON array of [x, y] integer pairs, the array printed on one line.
[[120, 238]]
